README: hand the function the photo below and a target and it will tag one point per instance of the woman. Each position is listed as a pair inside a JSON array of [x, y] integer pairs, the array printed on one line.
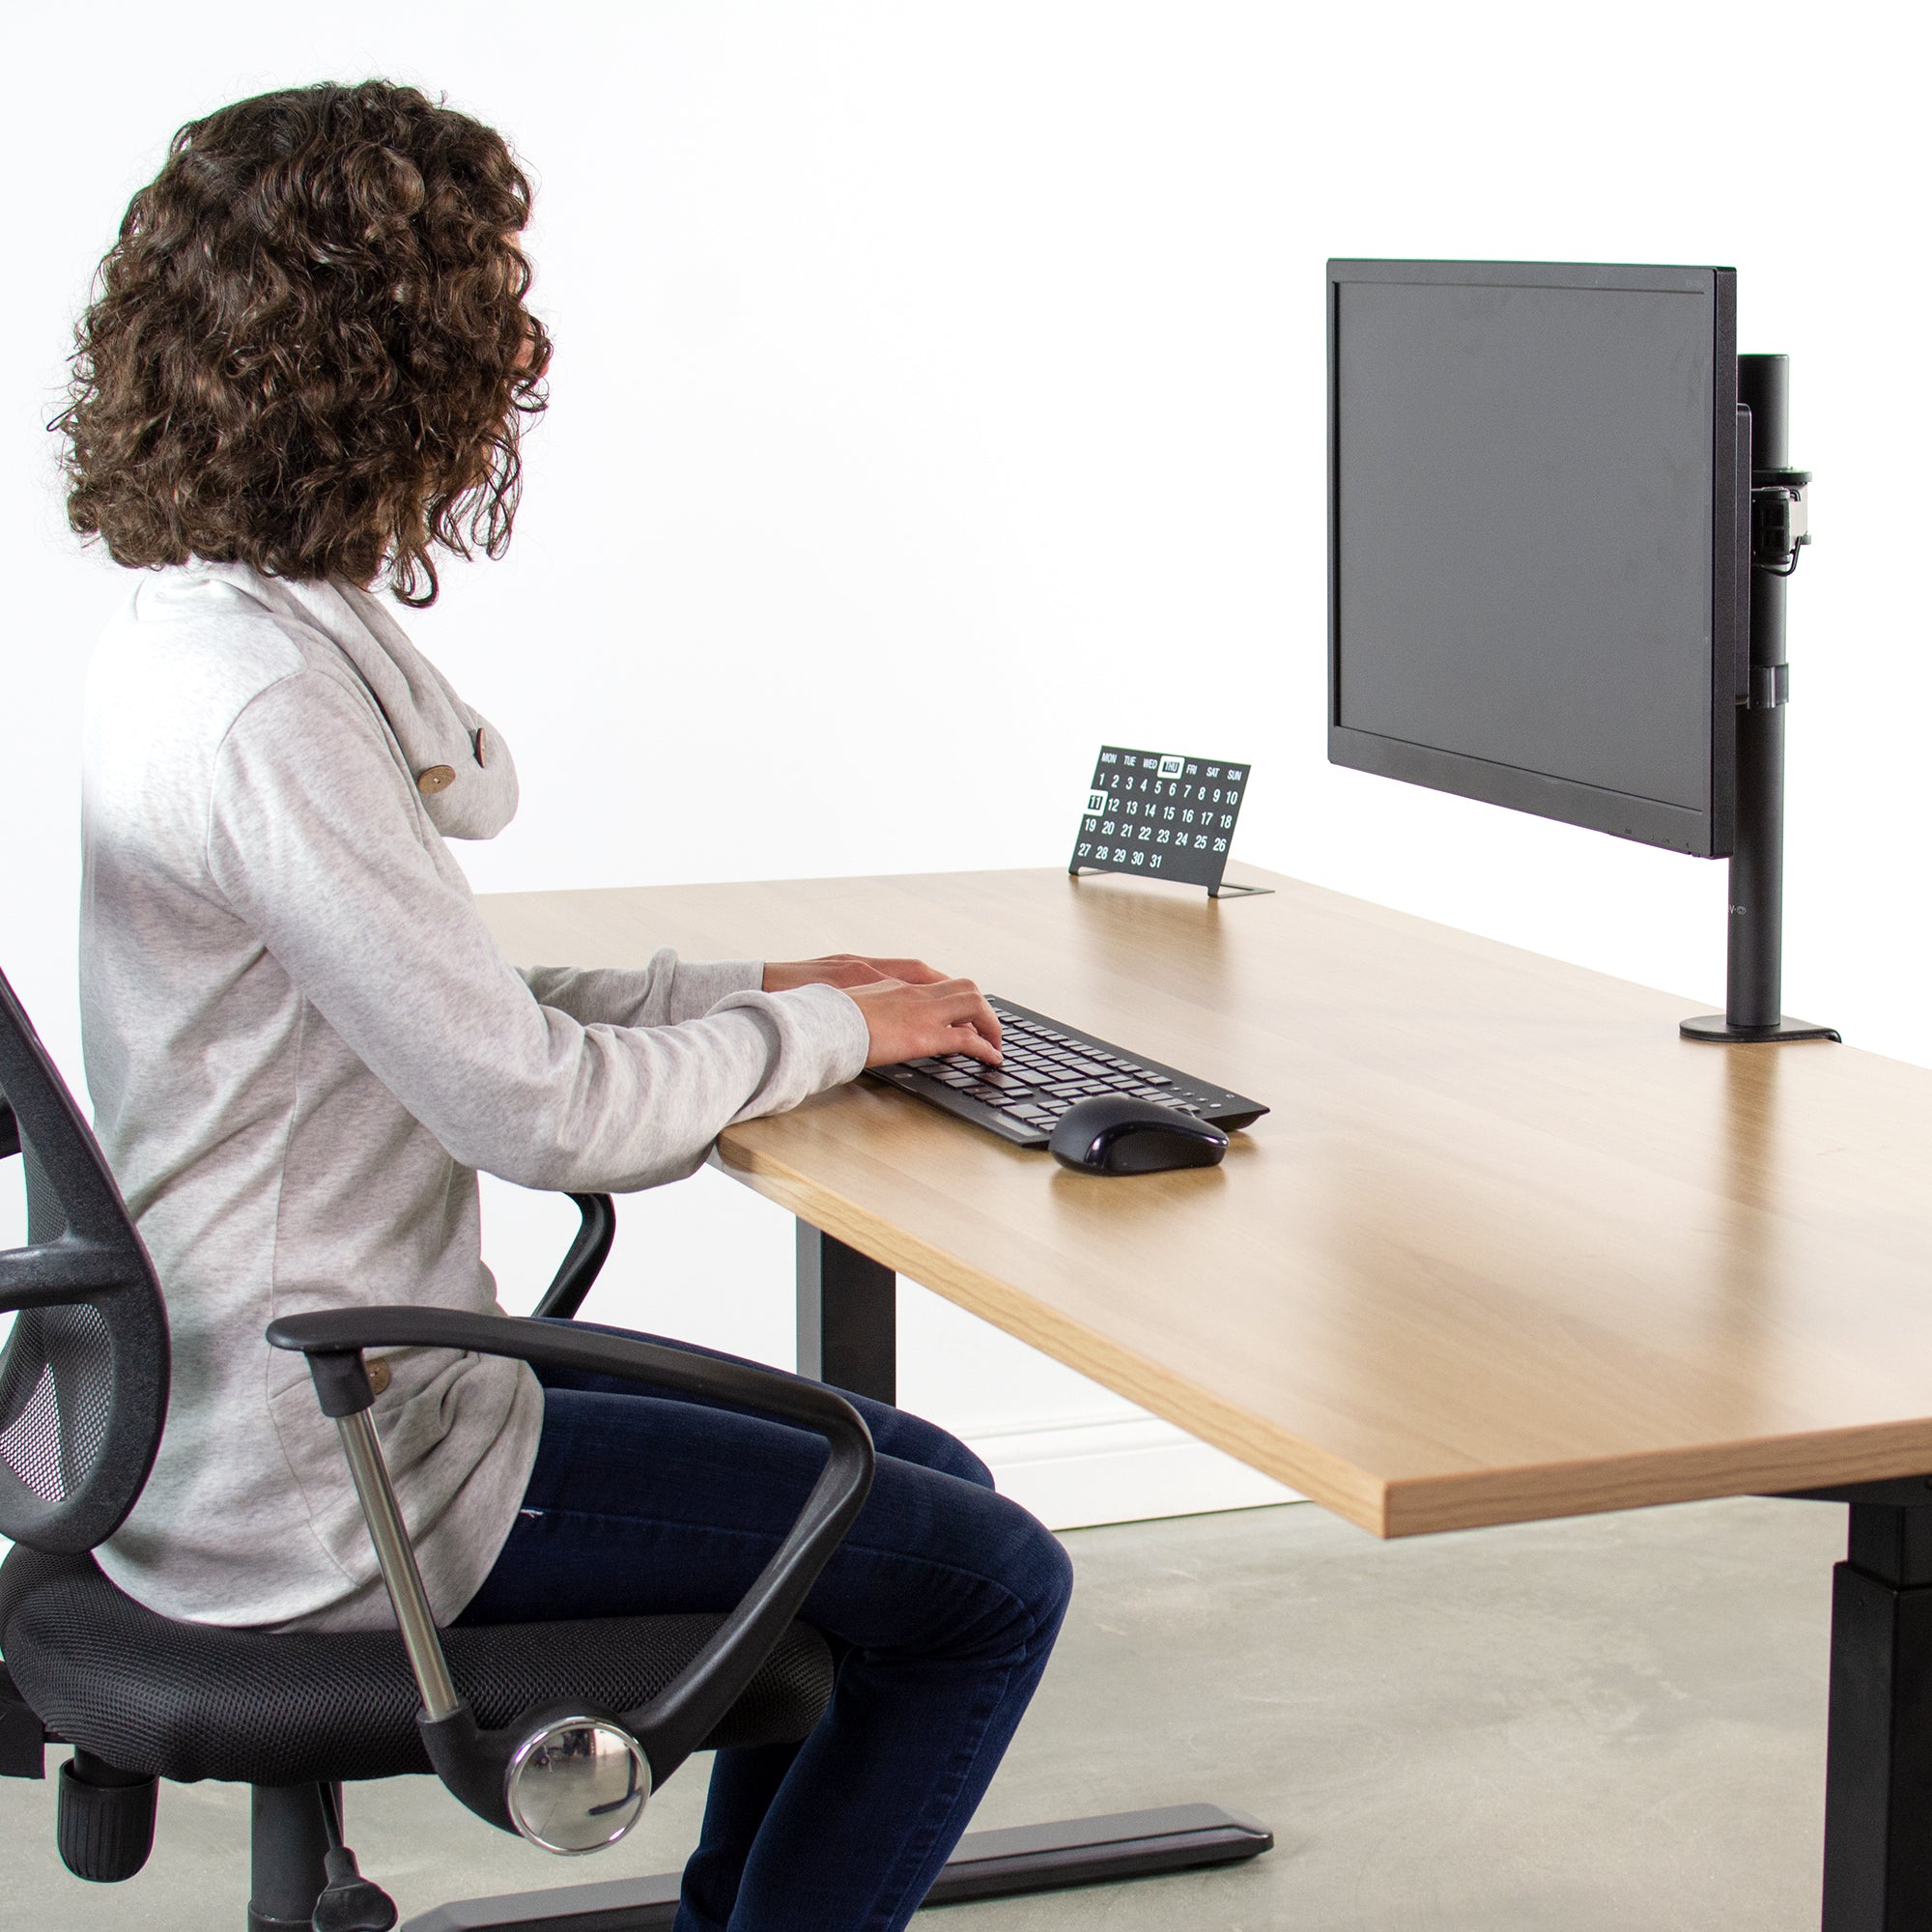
[[304, 374]]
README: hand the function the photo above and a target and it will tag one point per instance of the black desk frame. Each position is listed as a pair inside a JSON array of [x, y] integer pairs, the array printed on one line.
[[1878, 1781]]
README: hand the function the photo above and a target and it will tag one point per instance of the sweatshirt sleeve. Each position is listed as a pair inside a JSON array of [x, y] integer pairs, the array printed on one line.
[[667, 990], [316, 841]]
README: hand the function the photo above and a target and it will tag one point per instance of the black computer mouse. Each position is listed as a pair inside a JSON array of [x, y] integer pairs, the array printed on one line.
[[1110, 1134]]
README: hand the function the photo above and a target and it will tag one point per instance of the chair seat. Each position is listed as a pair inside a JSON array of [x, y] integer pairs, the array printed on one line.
[[188, 1701]]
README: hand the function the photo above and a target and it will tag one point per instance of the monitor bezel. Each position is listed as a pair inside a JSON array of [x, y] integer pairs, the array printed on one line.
[[1705, 832]]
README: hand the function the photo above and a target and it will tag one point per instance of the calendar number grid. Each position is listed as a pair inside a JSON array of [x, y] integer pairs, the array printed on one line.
[[1161, 815]]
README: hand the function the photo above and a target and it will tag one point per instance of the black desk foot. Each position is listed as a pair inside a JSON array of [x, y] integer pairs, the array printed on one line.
[[988, 1864], [1089, 1851]]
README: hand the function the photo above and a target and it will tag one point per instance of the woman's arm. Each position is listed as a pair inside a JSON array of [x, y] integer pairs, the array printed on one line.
[[909, 1008], [316, 841], [664, 991]]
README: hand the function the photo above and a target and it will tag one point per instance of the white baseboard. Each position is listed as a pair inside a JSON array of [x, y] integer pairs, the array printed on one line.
[[1126, 1471]]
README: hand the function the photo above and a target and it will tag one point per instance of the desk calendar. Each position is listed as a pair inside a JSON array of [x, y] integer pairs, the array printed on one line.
[[1161, 814]]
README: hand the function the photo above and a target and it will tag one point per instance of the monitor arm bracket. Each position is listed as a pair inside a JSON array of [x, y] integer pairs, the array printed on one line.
[[1781, 519]]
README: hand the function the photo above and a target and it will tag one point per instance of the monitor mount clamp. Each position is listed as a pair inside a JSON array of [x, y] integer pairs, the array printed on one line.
[[1753, 992]]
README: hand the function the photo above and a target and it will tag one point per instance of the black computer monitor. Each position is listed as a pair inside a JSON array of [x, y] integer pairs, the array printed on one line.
[[1539, 539]]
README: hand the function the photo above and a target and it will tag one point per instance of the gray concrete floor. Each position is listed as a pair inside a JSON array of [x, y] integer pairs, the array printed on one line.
[[1594, 1725]]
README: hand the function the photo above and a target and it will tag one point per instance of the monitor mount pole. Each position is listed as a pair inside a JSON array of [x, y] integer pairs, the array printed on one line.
[[1753, 992]]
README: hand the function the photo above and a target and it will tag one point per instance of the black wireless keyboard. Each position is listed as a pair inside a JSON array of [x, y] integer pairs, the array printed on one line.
[[1048, 1069]]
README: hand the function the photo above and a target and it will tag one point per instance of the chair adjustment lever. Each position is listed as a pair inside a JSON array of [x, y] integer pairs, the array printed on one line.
[[349, 1901]]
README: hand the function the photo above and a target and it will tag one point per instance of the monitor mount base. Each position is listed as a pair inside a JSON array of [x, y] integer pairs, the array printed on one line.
[[1754, 970], [1717, 1026]]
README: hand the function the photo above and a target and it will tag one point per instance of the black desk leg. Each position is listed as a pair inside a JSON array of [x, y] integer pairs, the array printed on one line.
[[1878, 1779], [847, 1335], [848, 1332]]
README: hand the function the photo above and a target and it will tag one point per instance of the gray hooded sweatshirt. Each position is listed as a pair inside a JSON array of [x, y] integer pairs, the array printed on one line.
[[303, 1043]]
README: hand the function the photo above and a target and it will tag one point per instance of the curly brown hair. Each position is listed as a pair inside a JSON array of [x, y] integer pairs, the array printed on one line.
[[308, 349]]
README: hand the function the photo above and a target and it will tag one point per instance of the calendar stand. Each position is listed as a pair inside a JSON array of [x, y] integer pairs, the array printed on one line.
[[1162, 815], [1226, 890]]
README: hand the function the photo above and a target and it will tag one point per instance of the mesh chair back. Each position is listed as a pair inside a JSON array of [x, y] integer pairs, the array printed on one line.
[[84, 1369]]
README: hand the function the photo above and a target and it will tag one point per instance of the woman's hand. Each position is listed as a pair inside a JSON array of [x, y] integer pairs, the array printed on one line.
[[910, 1022], [911, 1010], [847, 970]]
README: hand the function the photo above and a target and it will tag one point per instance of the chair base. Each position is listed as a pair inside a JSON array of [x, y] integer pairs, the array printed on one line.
[[988, 1864]]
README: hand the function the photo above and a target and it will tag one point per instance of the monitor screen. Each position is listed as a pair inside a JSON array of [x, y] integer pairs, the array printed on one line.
[[1533, 528]]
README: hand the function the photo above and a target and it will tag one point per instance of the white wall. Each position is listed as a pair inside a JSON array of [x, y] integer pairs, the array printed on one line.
[[917, 359]]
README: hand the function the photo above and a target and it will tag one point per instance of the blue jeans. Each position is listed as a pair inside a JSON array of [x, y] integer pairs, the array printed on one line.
[[944, 1599]]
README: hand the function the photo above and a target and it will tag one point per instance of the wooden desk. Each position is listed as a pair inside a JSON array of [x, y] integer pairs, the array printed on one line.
[[1506, 1248]]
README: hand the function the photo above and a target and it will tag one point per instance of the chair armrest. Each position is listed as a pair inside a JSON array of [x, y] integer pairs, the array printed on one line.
[[474, 1764], [348, 1331], [584, 1259]]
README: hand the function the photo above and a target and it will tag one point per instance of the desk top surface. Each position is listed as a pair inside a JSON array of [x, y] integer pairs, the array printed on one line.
[[1506, 1247]]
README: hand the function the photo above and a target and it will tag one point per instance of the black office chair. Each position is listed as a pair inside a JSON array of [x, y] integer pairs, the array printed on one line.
[[558, 1732]]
